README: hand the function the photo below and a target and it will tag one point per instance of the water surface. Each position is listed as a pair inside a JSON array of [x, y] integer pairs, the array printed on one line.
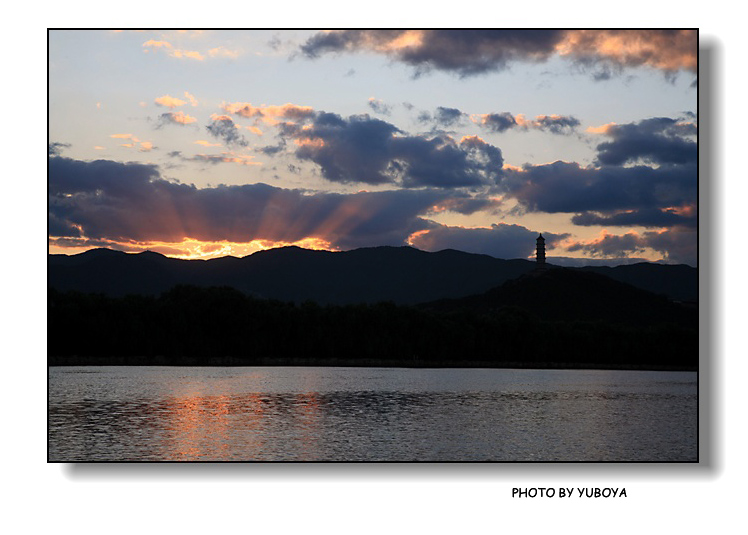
[[370, 414]]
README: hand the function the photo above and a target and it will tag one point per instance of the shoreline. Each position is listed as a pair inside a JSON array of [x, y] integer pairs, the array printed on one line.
[[382, 363]]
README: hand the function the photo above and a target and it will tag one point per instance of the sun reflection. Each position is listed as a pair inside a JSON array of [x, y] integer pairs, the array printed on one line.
[[207, 427]]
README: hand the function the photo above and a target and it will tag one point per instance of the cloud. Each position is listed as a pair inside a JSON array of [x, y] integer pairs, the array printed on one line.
[[214, 159], [555, 124], [500, 240], [269, 114], [363, 149], [223, 127], [55, 149], [645, 217], [153, 44], [134, 142], [501, 122], [190, 54], [465, 52], [179, 118], [569, 187], [467, 205], [168, 101], [677, 245], [379, 107], [669, 50], [223, 52], [131, 202], [224, 157], [191, 98], [658, 140], [443, 117], [496, 122], [611, 245], [473, 52]]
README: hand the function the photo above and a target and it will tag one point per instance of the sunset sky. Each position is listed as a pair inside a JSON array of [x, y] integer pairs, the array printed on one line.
[[199, 144]]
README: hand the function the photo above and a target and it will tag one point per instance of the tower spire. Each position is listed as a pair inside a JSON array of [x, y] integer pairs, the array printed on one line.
[[540, 252]]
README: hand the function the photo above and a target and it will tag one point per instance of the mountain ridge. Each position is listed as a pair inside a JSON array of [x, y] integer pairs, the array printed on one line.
[[403, 275]]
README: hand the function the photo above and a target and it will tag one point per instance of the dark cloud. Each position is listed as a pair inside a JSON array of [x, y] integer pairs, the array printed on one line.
[[272, 150], [611, 245], [659, 140], [466, 52], [223, 128], [468, 205], [498, 122], [500, 241], [55, 149], [556, 124], [363, 149], [608, 52], [128, 202], [447, 117], [646, 217], [72, 177], [678, 245], [178, 118], [501, 122], [380, 107], [473, 52], [568, 187], [58, 226]]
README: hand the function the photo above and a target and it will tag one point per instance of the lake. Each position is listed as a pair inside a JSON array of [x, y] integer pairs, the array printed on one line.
[[370, 414]]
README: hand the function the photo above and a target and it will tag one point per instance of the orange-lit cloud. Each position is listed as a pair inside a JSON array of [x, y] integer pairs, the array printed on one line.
[[132, 204], [664, 49], [153, 44], [190, 98], [602, 129], [269, 114], [191, 249], [226, 157], [169, 102], [499, 240], [182, 118], [207, 143], [190, 54], [223, 52], [474, 52], [224, 128], [143, 146], [608, 245]]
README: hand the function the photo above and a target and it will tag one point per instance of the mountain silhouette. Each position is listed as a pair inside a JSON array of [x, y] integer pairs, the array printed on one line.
[[402, 275], [567, 294]]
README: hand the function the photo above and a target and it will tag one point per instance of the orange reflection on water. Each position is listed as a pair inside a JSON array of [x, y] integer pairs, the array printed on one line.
[[219, 428]]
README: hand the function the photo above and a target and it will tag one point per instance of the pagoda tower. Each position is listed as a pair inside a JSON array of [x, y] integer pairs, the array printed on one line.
[[540, 252]]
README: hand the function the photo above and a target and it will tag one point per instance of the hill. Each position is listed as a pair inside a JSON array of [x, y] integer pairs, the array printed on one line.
[[575, 295], [403, 275]]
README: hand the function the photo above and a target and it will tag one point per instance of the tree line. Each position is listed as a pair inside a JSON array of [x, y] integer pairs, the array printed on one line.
[[222, 326]]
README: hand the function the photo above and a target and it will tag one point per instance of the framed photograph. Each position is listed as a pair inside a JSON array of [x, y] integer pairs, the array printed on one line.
[[442, 245]]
